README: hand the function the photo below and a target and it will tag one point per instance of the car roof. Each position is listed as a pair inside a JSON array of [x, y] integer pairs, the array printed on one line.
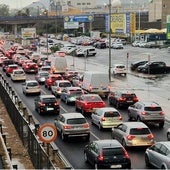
[[47, 96], [135, 124], [90, 95], [107, 109], [166, 143], [62, 81], [108, 143], [148, 103], [73, 88], [29, 81], [72, 115]]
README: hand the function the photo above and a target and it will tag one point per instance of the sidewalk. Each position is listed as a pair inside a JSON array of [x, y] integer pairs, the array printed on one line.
[[77, 64]]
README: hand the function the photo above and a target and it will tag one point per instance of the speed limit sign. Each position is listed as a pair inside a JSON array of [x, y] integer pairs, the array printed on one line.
[[47, 133]]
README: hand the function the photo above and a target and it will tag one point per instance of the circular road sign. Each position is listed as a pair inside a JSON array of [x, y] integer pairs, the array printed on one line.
[[47, 133]]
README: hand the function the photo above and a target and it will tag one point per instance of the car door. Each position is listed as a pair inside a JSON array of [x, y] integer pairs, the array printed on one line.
[[63, 94], [96, 117], [59, 121], [119, 132]]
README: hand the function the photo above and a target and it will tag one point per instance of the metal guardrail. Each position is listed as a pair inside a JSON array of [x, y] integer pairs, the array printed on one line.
[[27, 127]]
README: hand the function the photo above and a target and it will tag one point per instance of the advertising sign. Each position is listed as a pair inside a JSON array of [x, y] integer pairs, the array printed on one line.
[[168, 27], [79, 18], [28, 33], [71, 25]]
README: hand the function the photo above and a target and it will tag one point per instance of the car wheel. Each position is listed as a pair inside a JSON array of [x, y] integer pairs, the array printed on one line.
[[124, 143], [117, 105], [85, 157], [161, 125], [168, 136], [163, 167], [100, 127], [147, 161], [129, 116], [63, 136]]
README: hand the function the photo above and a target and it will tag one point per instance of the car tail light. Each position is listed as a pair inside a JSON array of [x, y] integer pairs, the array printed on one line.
[[122, 99], [125, 153], [67, 127], [100, 157], [151, 136], [58, 89], [56, 103], [27, 66], [50, 81], [130, 137], [90, 87], [120, 118], [42, 104], [143, 113], [86, 125], [161, 113], [135, 99], [103, 119]]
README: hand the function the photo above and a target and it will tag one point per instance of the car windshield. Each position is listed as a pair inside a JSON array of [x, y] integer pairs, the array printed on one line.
[[120, 67], [153, 108], [111, 114], [19, 72], [65, 84], [43, 74], [128, 95], [112, 151], [76, 121], [32, 84], [47, 100], [139, 131], [72, 92]]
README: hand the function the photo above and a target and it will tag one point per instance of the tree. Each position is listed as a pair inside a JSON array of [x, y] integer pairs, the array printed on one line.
[[4, 10]]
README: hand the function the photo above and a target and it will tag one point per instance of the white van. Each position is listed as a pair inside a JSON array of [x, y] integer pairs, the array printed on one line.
[[58, 65], [96, 82], [90, 51]]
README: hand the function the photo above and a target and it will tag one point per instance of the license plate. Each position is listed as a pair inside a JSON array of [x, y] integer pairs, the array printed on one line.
[[49, 109], [116, 166]]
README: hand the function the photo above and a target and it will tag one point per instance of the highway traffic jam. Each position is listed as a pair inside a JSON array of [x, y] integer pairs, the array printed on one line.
[[44, 80]]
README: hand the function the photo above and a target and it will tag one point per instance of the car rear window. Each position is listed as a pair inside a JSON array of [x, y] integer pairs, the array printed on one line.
[[111, 114], [112, 151], [65, 84], [153, 108], [120, 67], [139, 131], [76, 121], [75, 91], [46, 100], [32, 84], [128, 95], [19, 72], [92, 98]]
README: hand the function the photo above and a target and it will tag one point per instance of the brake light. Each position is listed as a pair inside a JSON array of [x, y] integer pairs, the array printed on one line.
[[90, 87], [56, 103], [130, 137], [143, 113], [162, 113], [86, 125], [100, 157], [151, 136], [122, 99], [120, 118], [67, 127], [135, 99], [125, 152], [103, 119], [42, 104]]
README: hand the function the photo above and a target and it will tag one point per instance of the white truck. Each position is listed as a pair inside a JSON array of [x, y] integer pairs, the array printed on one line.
[[58, 65], [96, 82]]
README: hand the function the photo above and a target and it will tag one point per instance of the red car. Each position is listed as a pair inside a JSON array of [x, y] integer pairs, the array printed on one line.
[[51, 79], [88, 102], [10, 68], [30, 67]]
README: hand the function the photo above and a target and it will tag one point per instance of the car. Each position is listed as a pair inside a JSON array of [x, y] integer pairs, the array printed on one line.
[[79, 52], [10, 68], [135, 64], [58, 86], [168, 134], [107, 154], [100, 45], [69, 94], [41, 76], [2, 58], [46, 103], [69, 74], [86, 103], [122, 98], [5, 63], [117, 45], [30, 67], [147, 112], [133, 134], [72, 125], [119, 69], [41, 59], [77, 80], [106, 117], [136, 43], [158, 155], [31, 87], [90, 51], [18, 75]]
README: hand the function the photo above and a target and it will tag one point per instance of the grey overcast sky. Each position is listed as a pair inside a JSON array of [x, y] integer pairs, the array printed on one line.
[[17, 3]]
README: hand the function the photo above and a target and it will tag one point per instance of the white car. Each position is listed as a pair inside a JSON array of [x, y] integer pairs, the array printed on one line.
[[18, 75], [31, 87], [119, 69], [117, 45]]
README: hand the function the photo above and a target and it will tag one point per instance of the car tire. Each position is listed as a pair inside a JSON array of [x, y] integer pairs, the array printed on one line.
[[85, 157], [88, 138], [124, 143], [147, 161], [63, 136], [129, 117], [100, 127], [161, 125], [168, 136]]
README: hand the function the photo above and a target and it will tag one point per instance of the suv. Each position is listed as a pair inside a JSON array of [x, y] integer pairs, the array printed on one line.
[[147, 112], [30, 67], [72, 125], [106, 154], [122, 98], [119, 69]]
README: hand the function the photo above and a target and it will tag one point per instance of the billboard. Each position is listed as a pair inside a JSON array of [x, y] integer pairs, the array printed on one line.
[[79, 18], [123, 23], [28, 33], [71, 25]]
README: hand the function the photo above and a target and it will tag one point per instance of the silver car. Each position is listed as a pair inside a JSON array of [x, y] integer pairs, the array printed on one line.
[[147, 112], [168, 134], [158, 155], [133, 134], [72, 125], [41, 76], [106, 117]]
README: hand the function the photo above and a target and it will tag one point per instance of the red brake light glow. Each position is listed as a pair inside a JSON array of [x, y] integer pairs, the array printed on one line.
[[151, 136], [130, 137]]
